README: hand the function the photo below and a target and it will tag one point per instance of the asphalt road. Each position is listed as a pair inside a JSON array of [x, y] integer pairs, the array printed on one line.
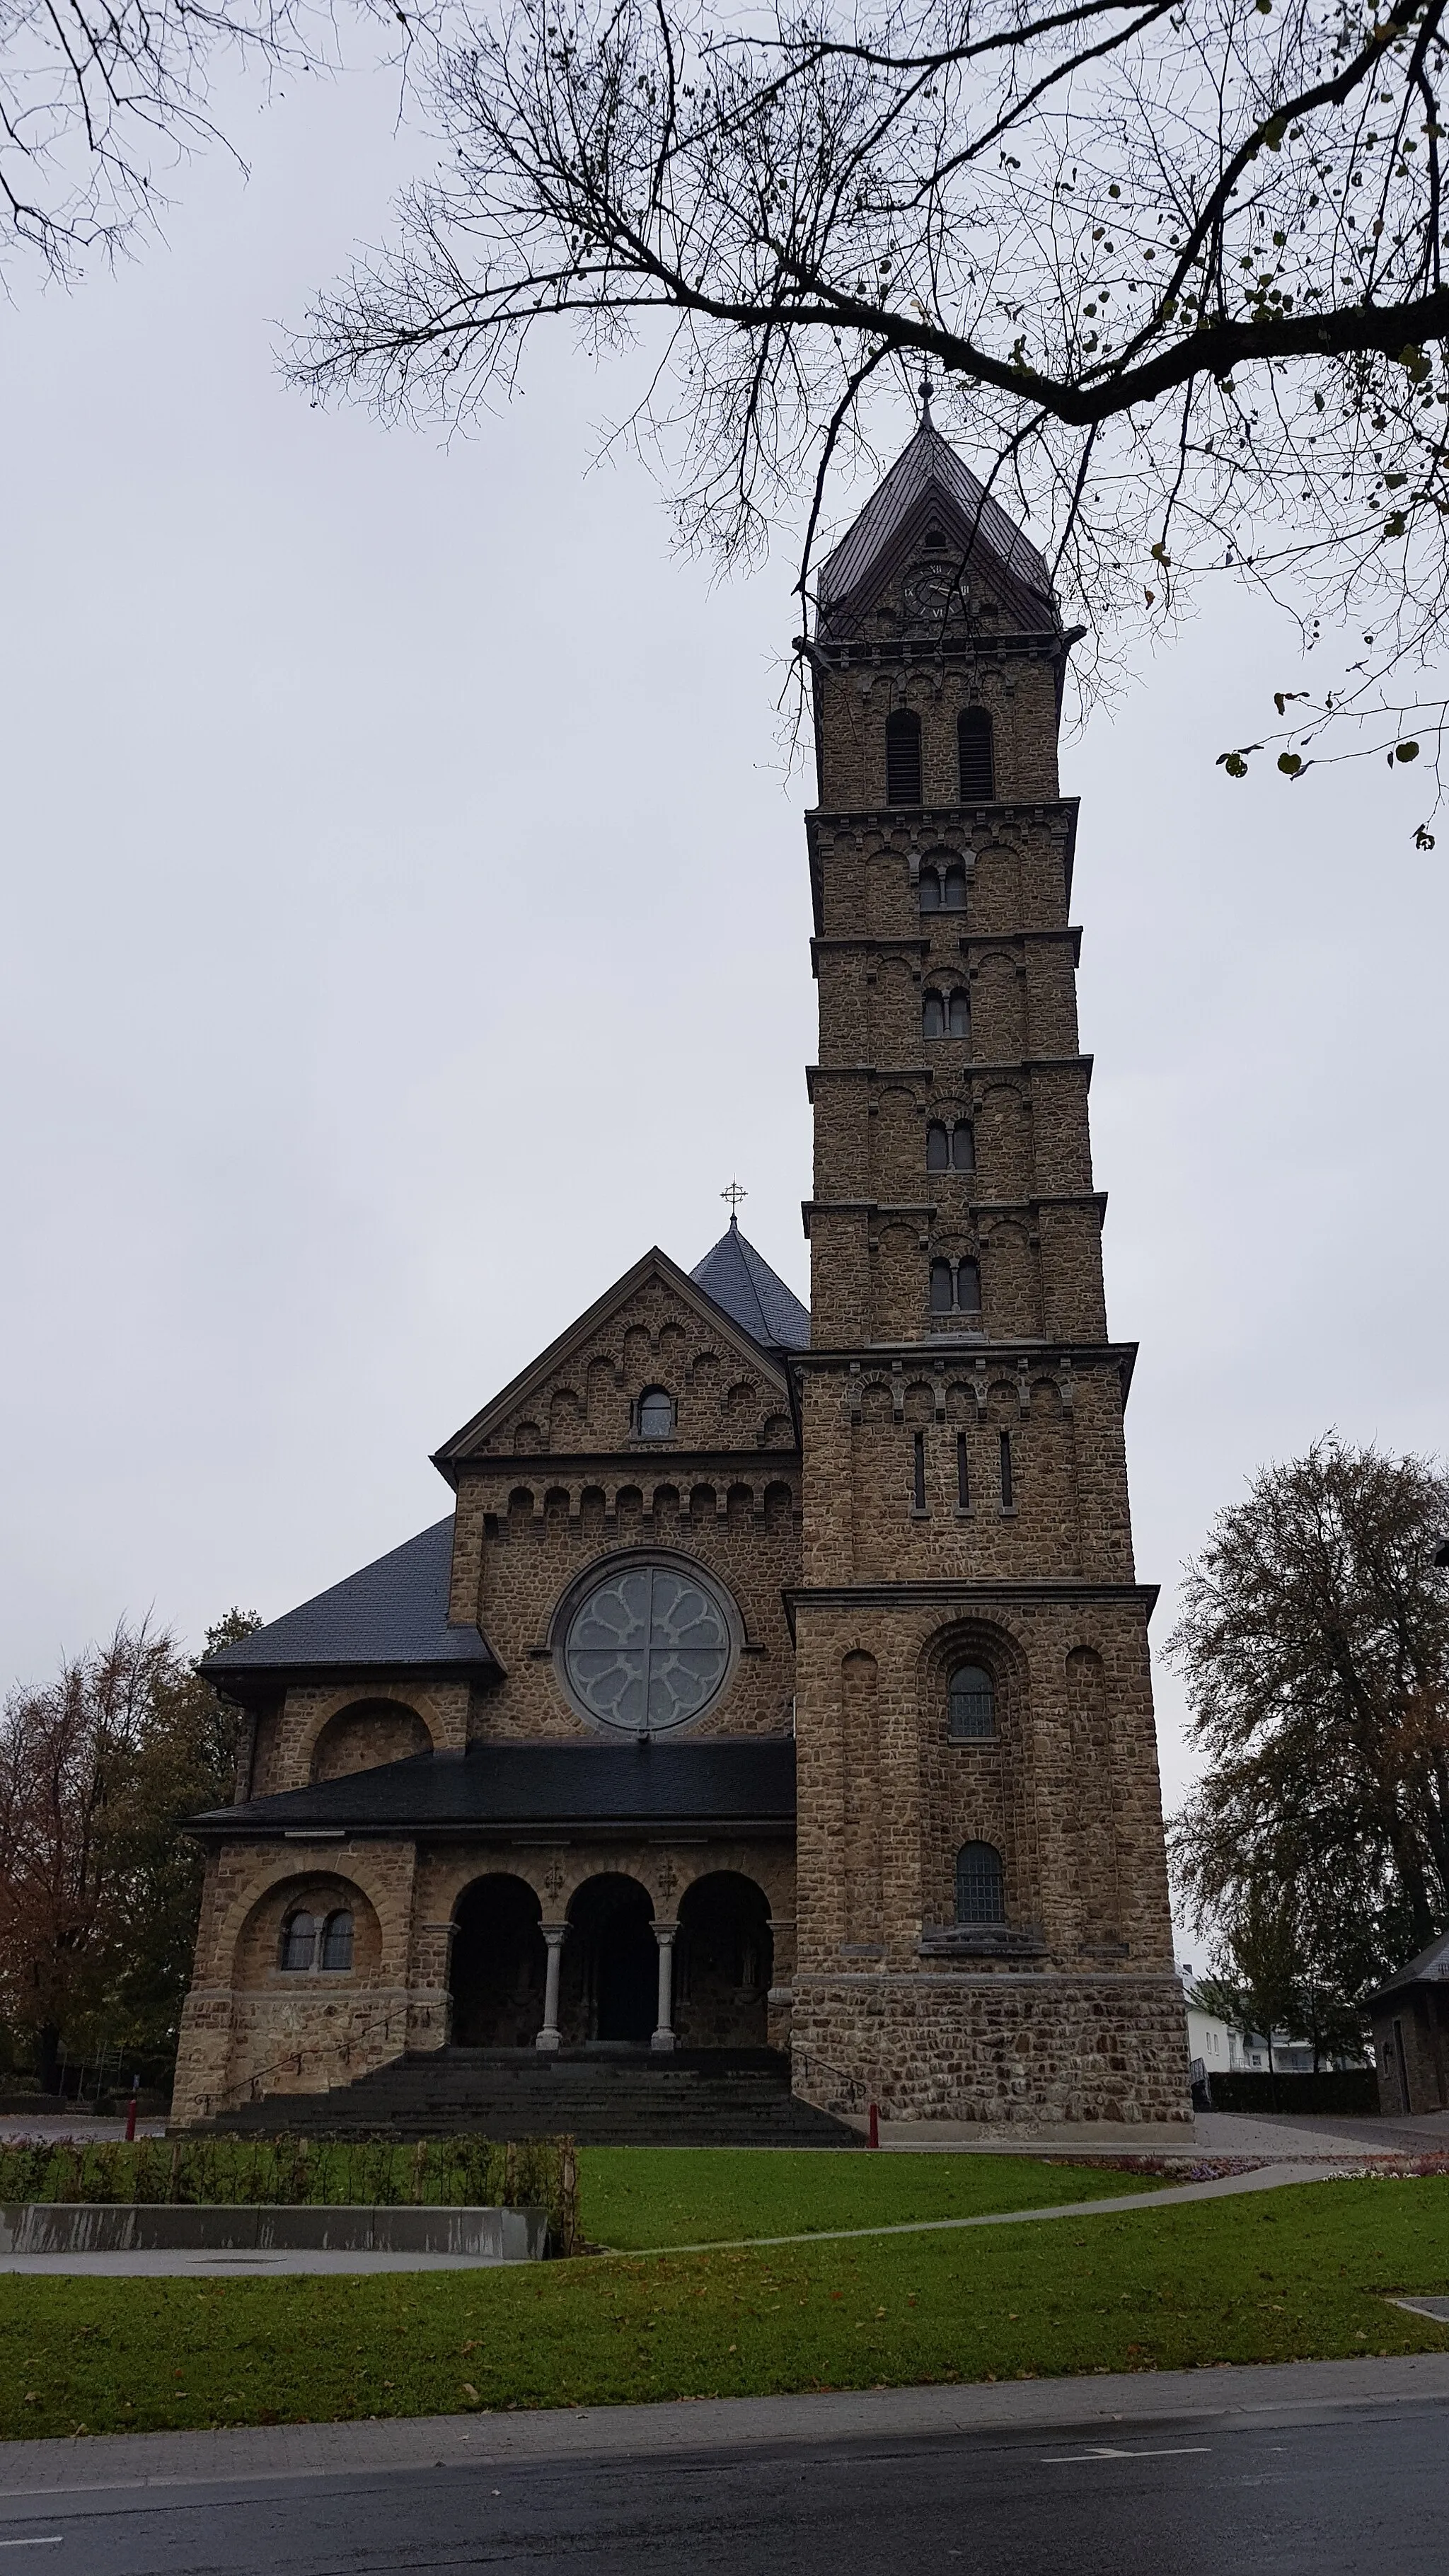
[[1357, 2493]]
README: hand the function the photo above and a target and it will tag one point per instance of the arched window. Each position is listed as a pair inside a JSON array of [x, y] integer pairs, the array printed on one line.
[[980, 1891], [337, 1941], [971, 1705], [938, 1147], [978, 769], [299, 1941], [954, 899], [968, 1288], [656, 1414], [963, 1146], [958, 1016], [933, 1016], [903, 757], [942, 1291], [934, 540], [930, 890]]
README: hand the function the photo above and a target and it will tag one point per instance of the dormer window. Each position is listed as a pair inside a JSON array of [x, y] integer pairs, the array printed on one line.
[[656, 1414], [935, 540]]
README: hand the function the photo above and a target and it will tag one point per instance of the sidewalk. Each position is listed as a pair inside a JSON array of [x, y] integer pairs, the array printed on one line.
[[1232, 2398]]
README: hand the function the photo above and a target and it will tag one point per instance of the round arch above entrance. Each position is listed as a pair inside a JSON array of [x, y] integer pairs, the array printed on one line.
[[610, 1966], [497, 1969]]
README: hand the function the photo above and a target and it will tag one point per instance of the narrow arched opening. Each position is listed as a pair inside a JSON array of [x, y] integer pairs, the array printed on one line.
[[496, 1972], [723, 1963], [610, 1967]]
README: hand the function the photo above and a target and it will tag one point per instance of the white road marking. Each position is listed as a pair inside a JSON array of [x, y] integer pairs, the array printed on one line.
[[1183, 2451], [50, 2540]]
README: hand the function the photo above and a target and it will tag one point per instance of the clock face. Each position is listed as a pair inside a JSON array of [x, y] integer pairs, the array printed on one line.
[[933, 591]]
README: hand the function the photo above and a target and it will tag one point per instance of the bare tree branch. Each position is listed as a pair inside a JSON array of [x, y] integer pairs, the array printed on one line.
[[1180, 265]]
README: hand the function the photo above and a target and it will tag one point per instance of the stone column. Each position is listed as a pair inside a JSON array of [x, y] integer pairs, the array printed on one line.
[[666, 1934], [553, 1934]]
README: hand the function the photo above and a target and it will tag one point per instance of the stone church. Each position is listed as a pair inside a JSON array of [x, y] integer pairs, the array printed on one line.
[[777, 1681]]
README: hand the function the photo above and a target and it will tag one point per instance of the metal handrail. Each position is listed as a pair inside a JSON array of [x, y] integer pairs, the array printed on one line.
[[245, 2087], [863, 2089]]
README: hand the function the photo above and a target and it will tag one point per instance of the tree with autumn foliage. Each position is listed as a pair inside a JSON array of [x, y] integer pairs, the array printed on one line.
[[99, 1888], [1314, 1642]]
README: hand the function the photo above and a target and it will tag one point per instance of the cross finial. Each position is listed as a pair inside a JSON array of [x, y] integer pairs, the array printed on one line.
[[734, 1194], [926, 398]]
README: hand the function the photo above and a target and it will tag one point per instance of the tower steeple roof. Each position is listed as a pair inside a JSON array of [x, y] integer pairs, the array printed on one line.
[[740, 1279], [930, 480]]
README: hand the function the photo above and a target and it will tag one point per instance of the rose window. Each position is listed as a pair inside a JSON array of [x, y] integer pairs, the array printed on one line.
[[648, 1649]]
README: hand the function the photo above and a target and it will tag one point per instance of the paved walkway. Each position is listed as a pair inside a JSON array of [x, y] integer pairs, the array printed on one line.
[[1308, 2138], [67, 2128], [1234, 2395]]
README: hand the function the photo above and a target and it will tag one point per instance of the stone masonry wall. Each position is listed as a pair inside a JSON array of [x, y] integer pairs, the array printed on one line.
[[1015, 2053], [964, 1478]]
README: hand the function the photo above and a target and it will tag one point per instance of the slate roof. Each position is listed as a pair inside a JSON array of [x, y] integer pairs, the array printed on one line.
[[393, 1612], [711, 1780], [739, 1278], [1428, 1969], [930, 468]]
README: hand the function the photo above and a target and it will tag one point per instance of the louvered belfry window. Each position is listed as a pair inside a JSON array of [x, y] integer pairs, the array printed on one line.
[[978, 769], [903, 757]]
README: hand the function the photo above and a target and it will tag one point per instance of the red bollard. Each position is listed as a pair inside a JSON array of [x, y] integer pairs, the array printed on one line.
[[131, 2119], [872, 2135]]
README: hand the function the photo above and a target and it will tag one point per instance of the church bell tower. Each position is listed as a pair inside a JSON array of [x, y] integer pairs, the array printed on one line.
[[983, 1928]]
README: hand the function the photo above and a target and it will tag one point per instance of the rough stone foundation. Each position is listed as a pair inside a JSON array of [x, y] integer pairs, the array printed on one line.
[[1019, 2052]]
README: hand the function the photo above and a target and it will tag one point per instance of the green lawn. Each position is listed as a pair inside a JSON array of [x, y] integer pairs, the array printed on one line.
[[651, 2196], [1292, 2274]]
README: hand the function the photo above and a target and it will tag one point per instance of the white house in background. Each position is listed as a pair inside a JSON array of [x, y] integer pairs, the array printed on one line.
[[1218, 2049]]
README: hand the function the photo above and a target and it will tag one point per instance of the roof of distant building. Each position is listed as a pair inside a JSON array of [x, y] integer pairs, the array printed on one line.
[[929, 469], [711, 1780], [393, 1612], [740, 1280], [1428, 1968]]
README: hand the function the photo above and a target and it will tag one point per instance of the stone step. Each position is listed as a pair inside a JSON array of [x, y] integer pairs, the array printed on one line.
[[705, 2098]]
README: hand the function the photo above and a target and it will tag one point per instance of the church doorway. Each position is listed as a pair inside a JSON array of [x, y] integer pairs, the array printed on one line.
[[496, 1973], [611, 1962], [723, 1964]]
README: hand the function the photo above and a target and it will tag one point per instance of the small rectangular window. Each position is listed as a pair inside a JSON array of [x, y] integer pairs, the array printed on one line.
[[963, 1474], [920, 1471], [1006, 1495]]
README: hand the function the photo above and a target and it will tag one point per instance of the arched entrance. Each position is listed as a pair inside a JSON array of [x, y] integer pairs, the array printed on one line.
[[497, 1969], [723, 1963], [610, 1963]]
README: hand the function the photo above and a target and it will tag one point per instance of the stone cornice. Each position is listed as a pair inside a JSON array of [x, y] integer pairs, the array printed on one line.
[[910, 941], [921, 1071], [948, 644]]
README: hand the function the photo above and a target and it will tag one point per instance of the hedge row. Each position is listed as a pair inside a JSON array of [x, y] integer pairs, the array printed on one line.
[[464, 2171]]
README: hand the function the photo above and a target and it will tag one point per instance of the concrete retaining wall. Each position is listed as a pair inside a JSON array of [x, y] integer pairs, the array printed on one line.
[[126, 2227]]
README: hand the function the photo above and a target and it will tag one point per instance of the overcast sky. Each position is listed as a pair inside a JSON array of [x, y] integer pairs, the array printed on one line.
[[406, 924]]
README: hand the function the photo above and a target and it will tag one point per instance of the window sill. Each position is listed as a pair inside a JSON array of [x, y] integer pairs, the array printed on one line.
[[981, 1941]]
